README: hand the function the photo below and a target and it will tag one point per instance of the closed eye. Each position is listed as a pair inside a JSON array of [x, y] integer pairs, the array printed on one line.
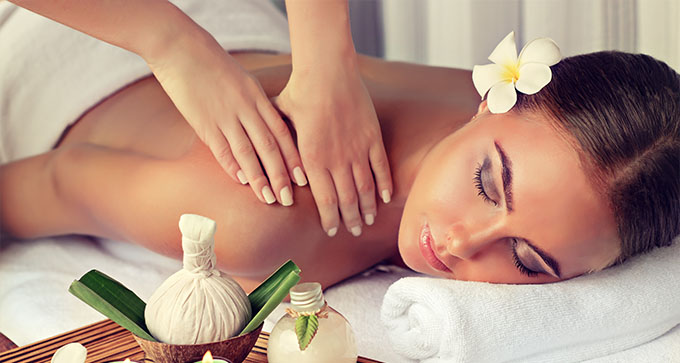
[[482, 178], [518, 262], [532, 259]]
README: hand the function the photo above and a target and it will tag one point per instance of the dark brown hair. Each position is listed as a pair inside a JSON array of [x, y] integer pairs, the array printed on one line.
[[622, 112]]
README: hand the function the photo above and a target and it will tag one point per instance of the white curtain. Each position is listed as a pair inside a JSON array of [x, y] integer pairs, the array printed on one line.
[[462, 33]]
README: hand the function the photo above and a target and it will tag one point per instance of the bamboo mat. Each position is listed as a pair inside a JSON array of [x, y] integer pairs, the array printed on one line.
[[107, 341]]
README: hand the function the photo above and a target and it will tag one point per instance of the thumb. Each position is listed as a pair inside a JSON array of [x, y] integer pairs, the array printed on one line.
[[280, 104], [282, 101]]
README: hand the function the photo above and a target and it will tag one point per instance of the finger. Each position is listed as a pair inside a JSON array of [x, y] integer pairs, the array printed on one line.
[[363, 179], [267, 149], [219, 147], [289, 151], [326, 199], [381, 170], [348, 200], [245, 155]]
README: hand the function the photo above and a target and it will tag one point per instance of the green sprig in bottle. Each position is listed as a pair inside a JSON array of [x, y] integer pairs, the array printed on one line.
[[311, 331]]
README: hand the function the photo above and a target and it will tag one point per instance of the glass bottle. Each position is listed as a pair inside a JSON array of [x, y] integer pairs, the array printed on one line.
[[334, 339]]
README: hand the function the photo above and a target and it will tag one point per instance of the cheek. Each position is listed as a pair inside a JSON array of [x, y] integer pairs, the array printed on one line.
[[443, 193], [443, 186], [447, 191], [492, 264]]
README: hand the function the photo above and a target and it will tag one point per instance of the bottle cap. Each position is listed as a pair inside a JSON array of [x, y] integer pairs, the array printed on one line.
[[307, 297]]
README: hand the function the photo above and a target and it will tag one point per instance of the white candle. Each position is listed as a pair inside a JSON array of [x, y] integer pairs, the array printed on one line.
[[208, 358]]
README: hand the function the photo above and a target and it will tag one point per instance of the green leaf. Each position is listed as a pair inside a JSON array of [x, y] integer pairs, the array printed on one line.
[[259, 297], [114, 300], [274, 299], [305, 329], [266, 297]]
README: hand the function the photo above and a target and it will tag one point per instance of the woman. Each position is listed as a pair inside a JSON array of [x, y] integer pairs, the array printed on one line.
[[576, 178]]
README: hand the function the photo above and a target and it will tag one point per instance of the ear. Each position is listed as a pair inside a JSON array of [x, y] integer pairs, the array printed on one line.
[[482, 108]]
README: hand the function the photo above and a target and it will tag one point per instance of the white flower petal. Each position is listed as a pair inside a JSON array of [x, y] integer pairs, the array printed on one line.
[[70, 353], [505, 52], [533, 77], [486, 76], [502, 97], [541, 50]]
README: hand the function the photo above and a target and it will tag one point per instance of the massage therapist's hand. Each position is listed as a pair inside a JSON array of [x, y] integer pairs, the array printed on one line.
[[340, 142], [231, 114]]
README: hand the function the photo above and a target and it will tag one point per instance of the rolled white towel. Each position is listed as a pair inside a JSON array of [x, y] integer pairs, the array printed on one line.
[[438, 320]]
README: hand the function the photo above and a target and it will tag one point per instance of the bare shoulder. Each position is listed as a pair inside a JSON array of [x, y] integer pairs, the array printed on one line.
[[405, 79], [418, 78]]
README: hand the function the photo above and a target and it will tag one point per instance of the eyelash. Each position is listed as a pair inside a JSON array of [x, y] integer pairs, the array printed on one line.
[[482, 193], [480, 186], [515, 259]]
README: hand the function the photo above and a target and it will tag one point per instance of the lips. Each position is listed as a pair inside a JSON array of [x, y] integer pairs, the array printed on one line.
[[426, 242]]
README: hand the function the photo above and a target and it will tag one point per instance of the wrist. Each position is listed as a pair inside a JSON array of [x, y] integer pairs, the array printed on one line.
[[327, 64], [176, 32]]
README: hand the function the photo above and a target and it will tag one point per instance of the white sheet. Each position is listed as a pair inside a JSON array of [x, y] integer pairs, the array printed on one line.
[[35, 303]]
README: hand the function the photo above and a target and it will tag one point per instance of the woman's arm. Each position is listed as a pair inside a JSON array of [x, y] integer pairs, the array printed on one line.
[[223, 103], [338, 132]]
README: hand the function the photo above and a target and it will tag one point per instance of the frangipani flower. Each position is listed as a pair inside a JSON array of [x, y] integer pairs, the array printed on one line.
[[527, 73], [70, 353]]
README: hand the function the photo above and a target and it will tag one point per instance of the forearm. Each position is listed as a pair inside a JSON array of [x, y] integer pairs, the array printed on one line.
[[143, 27], [320, 33], [29, 204]]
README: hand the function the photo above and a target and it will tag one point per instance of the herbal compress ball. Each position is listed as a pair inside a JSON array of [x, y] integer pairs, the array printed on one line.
[[197, 304]]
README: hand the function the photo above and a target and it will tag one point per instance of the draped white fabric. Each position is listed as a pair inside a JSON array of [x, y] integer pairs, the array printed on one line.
[[461, 33]]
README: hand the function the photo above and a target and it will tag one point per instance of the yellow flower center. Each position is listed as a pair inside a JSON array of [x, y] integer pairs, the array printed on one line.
[[512, 72]]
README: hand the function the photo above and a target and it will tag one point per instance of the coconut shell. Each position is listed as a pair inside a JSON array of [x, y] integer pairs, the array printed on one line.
[[234, 349]]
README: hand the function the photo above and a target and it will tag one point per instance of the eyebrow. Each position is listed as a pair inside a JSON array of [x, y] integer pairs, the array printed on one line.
[[506, 175], [549, 260]]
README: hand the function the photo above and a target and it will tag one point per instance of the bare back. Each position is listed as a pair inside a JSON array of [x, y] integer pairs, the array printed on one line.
[[138, 166]]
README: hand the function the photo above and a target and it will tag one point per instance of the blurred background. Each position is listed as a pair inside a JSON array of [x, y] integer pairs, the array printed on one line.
[[462, 33]]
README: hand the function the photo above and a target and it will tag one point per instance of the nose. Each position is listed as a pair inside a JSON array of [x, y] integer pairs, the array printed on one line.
[[464, 240]]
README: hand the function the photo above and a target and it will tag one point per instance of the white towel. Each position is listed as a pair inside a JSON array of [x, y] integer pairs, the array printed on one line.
[[437, 320], [665, 348]]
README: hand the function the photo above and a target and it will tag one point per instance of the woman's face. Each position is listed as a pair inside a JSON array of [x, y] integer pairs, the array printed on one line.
[[504, 200]]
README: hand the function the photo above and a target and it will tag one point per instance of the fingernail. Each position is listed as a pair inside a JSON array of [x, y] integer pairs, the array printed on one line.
[[369, 219], [299, 177], [268, 195], [332, 231], [356, 231], [286, 197], [242, 177], [386, 197]]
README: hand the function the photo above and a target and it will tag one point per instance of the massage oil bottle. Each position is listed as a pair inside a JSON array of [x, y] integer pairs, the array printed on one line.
[[311, 332]]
